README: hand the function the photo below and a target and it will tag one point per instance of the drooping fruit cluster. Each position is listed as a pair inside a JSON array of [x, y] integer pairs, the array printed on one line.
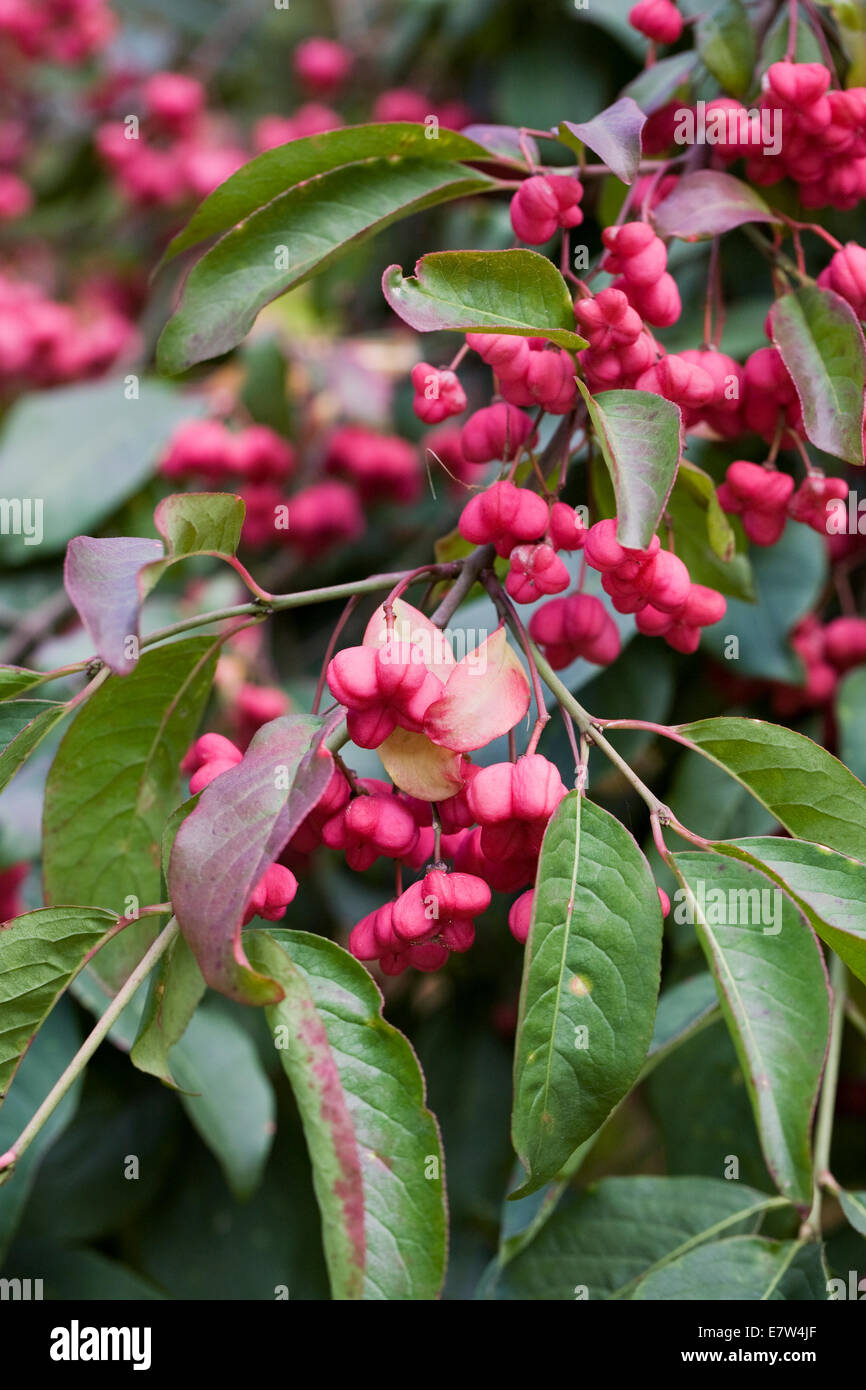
[[529, 371], [382, 688], [543, 203], [209, 450], [823, 145], [827, 653], [420, 928], [654, 585], [639, 258], [57, 31], [765, 499], [438, 394], [44, 342]]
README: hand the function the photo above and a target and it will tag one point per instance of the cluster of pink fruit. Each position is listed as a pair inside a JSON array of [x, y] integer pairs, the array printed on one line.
[[57, 31], [176, 150], [11, 880], [260, 462], [765, 499], [491, 829], [823, 148], [321, 68], [181, 152], [827, 652], [44, 342]]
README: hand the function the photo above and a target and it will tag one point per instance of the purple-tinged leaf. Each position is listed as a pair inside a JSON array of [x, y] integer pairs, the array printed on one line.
[[101, 578], [639, 436], [821, 342], [516, 292], [108, 578], [614, 135], [503, 140], [373, 1143], [707, 204], [242, 822]]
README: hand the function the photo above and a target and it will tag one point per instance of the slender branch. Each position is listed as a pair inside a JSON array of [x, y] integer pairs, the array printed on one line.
[[34, 626], [277, 604], [776, 257], [592, 728], [510, 614], [335, 637], [89, 1046], [479, 560]]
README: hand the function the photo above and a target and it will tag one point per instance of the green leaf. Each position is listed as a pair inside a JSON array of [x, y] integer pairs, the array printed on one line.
[[40, 952], [308, 228], [851, 715], [621, 1231], [697, 538], [194, 523], [14, 680], [270, 174], [227, 1095], [517, 292], [709, 203], [176, 990], [683, 1009], [742, 1268], [375, 1149], [830, 888], [854, 1206], [80, 1274], [52, 1051], [805, 787], [264, 394], [84, 449], [698, 1138], [789, 578], [639, 436], [113, 785], [23, 726], [726, 44], [655, 86], [821, 342], [773, 991], [720, 532], [590, 985]]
